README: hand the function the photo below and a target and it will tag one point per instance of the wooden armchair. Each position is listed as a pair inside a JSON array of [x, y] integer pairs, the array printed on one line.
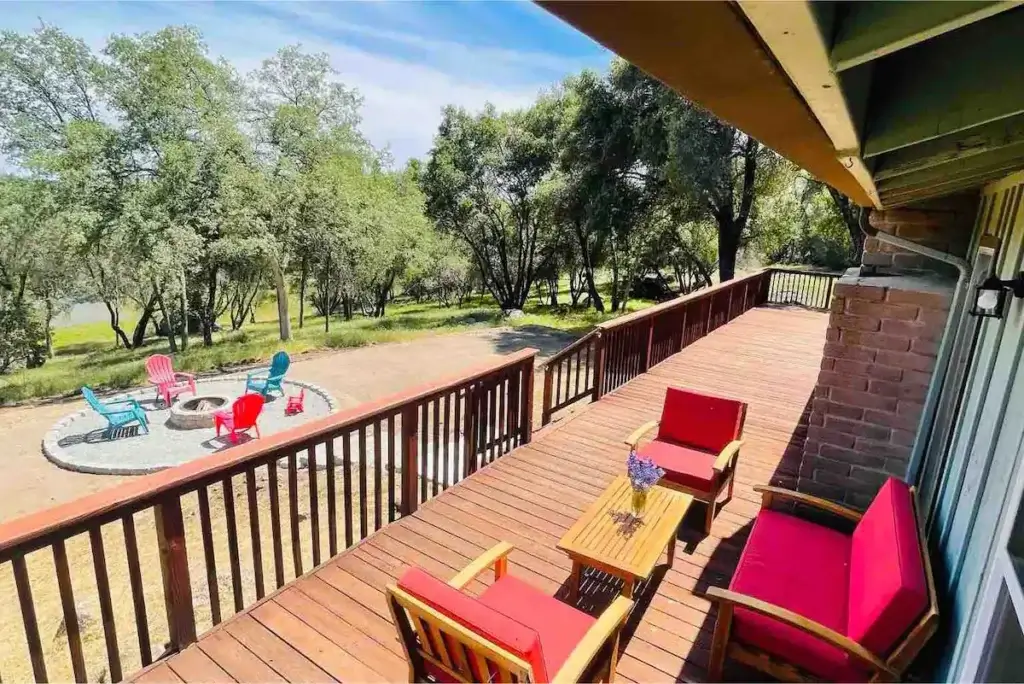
[[808, 602], [697, 445], [512, 632]]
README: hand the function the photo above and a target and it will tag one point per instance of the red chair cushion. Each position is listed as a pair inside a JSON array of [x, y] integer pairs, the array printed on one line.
[[803, 567], [682, 465], [560, 626], [701, 421], [504, 631], [888, 592]]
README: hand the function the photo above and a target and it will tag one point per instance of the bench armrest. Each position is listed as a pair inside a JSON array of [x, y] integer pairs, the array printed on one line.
[[769, 494], [730, 599], [639, 433], [593, 641], [496, 556], [727, 458]]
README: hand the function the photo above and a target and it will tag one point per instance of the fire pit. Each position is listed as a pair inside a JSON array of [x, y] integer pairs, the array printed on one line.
[[197, 412]]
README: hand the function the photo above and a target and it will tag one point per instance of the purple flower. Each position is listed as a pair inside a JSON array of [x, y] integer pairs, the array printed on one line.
[[643, 473]]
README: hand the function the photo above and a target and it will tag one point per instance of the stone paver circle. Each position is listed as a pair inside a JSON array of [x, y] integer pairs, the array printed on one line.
[[79, 441]]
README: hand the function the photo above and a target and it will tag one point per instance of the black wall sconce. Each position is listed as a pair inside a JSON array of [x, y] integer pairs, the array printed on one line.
[[990, 297]]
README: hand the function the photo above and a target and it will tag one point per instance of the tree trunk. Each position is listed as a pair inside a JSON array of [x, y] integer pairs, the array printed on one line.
[[727, 248], [302, 293], [139, 334], [284, 323], [183, 305], [115, 325], [172, 342], [49, 329], [553, 290]]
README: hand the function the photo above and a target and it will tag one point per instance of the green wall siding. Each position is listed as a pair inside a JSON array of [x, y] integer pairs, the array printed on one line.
[[986, 440]]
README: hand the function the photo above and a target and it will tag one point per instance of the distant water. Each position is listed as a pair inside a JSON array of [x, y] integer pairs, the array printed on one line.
[[86, 312]]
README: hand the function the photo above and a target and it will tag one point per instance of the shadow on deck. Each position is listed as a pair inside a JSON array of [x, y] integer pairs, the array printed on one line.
[[333, 622]]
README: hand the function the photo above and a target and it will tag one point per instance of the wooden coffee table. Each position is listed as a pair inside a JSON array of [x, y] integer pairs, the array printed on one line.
[[604, 537]]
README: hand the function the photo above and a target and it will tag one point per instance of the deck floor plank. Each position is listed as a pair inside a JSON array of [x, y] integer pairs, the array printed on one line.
[[335, 623]]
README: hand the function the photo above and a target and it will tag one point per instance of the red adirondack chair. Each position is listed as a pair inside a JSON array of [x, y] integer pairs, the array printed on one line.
[[241, 417], [168, 383]]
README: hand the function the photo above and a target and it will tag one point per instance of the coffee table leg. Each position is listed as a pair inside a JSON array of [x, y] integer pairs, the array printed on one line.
[[574, 582], [672, 548], [627, 587]]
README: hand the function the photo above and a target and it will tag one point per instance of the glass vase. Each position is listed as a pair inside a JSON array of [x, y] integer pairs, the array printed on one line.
[[639, 501]]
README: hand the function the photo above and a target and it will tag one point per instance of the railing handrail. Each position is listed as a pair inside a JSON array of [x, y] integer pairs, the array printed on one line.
[[804, 271], [678, 301], [31, 531], [566, 351]]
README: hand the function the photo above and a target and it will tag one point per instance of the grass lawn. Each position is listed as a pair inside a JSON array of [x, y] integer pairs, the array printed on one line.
[[85, 354]]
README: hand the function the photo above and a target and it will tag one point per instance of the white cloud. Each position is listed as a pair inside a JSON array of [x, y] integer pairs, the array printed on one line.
[[405, 78]]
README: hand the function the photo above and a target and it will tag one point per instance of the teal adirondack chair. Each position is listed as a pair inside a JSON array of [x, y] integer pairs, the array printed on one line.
[[265, 381], [117, 413]]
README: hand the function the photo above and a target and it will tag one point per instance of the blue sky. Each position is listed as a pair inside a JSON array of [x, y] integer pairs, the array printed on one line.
[[407, 59]]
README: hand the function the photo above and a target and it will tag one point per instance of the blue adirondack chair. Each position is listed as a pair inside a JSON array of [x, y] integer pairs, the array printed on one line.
[[265, 381], [117, 413]]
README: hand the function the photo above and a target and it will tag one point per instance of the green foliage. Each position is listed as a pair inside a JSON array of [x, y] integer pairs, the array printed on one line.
[[23, 342]]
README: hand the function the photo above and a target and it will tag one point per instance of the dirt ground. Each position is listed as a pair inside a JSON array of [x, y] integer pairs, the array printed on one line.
[[352, 376], [32, 483]]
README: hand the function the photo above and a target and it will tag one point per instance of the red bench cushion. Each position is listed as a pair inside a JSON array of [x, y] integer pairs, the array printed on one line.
[[503, 630], [888, 592], [560, 626], [700, 421], [682, 465], [802, 567]]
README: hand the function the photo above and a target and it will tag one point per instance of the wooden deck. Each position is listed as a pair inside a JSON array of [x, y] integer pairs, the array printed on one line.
[[333, 622]]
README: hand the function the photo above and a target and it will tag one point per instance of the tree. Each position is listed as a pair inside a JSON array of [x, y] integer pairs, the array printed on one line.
[[301, 115], [483, 185], [718, 169]]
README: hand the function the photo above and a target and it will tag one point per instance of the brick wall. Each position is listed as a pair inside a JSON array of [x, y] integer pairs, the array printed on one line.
[[943, 224], [877, 363]]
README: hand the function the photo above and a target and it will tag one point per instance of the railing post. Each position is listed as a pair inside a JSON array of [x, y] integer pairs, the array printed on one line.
[[682, 332], [650, 342], [526, 401], [410, 459], [766, 283], [170, 535], [545, 414], [599, 349]]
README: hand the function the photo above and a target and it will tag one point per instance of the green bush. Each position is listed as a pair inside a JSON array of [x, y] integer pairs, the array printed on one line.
[[23, 342]]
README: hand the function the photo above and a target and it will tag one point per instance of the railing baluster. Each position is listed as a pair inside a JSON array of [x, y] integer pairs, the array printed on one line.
[[424, 451], [170, 531], [99, 565], [499, 416], [28, 617], [233, 561], [293, 511], [254, 532], [314, 505], [445, 441], [526, 401], [391, 464], [492, 422], [363, 503], [67, 602], [275, 523], [579, 367], [435, 422], [332, 503], [131, 551], [206, 532], [346, 468], [378, 502], [558, 383]]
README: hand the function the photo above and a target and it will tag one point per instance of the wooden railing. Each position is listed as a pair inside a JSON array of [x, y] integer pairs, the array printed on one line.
[[619, 350], [812, 289], [358, 470]]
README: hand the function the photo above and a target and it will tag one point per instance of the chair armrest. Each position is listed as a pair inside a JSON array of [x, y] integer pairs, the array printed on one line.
[[186, 376], [129, 402], [596, 637], [815, 629], [728, 455], [638, 434], [256, 375], [497, 556], [769, 494]]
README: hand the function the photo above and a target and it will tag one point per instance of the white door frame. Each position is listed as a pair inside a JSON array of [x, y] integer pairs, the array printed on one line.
[[999, 573]]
